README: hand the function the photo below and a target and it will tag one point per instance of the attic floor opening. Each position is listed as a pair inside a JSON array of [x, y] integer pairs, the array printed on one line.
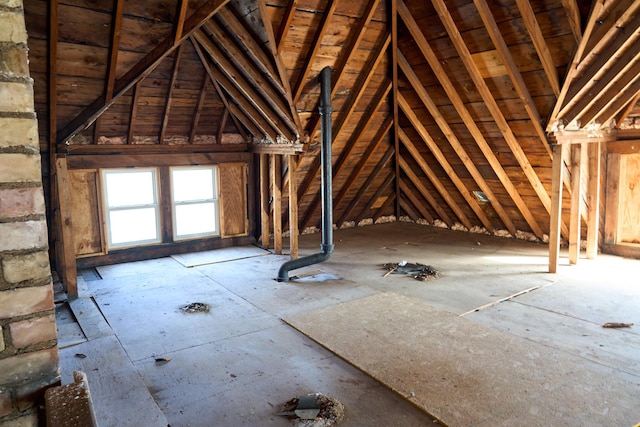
[[262, 341]]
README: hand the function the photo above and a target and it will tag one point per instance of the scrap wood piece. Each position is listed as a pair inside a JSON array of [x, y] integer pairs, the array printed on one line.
[[416, 270], [617, 325]]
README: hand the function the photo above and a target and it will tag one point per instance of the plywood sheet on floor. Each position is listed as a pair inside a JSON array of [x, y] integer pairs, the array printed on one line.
[[219, 255], [120, 398], [464, 373]]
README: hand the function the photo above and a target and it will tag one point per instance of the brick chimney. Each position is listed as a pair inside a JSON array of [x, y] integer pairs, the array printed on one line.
[[29, 360]]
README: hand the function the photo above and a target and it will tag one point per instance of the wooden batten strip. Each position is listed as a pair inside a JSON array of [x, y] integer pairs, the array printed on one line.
[[466, 117], [167, 105], [444, 163], [365, 186], [140, 70], [492, 105], [435, 181], [456, 145], [276, 185], [282, 72], [539, 43], [417, 182], [315, 46], [228, 76], [415, 200]]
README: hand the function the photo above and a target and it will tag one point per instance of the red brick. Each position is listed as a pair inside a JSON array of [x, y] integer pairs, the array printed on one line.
[[29, 366], [33, 331], [23, 301], [5, 403], [23, 235], [17, 202]]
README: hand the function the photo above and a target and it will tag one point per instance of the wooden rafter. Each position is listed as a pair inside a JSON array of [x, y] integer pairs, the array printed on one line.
[[624, 113], [198, 110], [315, 46], [114, 48], [444, 163], [348, 148], [456, 145], [364, 159], [133, 112], [167, 105], [390, 199], [417, 182], [285, 25], [539, 43], [573, 15], [621, 95], [365, 186], [183, 6], [237, 115], [223, 124], [475, 132], [140, 70], [415, 201], [280, 67], [492, 105], [435, 181], [379, 192]]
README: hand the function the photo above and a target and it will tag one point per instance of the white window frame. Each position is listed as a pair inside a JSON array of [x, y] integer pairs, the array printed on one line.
[[214, 199], [108, 209]]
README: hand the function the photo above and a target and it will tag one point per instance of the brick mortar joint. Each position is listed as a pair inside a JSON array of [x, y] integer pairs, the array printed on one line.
[[44, 345], [20, 185], [22, 252], [20, 149], [6, 322], [7, 46], [25, 284], [16, 78], [18, 115], [16, 9]]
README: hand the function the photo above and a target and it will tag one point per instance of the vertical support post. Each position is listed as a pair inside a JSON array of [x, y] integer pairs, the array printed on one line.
[[293, 207], [593, 200], [556, 207], [576, 198], [394, 70], [264, 200], [276, 182], [65, 252]]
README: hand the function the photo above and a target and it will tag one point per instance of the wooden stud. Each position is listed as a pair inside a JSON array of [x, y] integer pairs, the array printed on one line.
[[293, 208], [593, 199], [199, 104], [576, 197], [276, 184], [66, 256], [556, 207], [264, 201]]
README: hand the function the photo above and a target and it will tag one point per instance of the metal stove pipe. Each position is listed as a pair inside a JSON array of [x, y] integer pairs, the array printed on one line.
[[326, 248]]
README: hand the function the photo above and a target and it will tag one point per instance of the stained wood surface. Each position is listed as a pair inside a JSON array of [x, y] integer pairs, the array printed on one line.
[[233, 200], [85, 207]]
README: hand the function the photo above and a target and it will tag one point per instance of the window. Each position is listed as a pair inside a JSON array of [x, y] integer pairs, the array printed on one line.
[[131, 201], [194, 200]]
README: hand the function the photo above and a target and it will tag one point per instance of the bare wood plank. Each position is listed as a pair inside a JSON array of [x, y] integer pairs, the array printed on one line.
[[413, 150], [198, 111], [66, 255], [276, 184], [612, 199], [492, 105], [293, 208], [424, 191], [363, 189], [539, 43], [280, 67], [315, 45], [264, 200], [167, 105], [593, 199], [556, 207], [140, 70], [576, 197], [457, 147], [573, 15], [286, 24], [234, 219], [464, 113], [444, 163], [85, 209]]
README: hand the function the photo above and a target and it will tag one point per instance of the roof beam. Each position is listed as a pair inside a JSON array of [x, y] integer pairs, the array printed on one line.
[[624, 113], [381, 189], [140, 70], [183, 6], [444, 163], [133, 113], [167, 106], [315, 46], [621, 95], [417, 182], [573, 15], [198, 110], [114, 47], [285, 24], [415, 201]]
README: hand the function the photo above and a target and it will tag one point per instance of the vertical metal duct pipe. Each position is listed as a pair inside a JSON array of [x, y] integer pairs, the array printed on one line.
[[326, 248]]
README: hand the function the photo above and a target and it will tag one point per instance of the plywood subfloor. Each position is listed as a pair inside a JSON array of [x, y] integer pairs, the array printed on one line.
[[219, 255]]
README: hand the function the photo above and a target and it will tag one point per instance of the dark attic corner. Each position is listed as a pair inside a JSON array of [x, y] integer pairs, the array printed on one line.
[[164, 164]]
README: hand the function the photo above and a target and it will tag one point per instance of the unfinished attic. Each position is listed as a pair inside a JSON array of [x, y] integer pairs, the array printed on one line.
[[163, 162]]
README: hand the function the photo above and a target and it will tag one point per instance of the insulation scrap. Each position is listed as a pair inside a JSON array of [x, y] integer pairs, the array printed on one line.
[[416, 270]]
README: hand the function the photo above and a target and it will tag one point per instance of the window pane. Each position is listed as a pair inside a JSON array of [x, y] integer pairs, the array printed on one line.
[[198, 218], [129, 188], [133, 225], [193, 184]]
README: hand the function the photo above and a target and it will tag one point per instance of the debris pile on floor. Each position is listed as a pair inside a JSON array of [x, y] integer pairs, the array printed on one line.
[[416, 270], [313, 410], [195, 307], [617, 325]]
